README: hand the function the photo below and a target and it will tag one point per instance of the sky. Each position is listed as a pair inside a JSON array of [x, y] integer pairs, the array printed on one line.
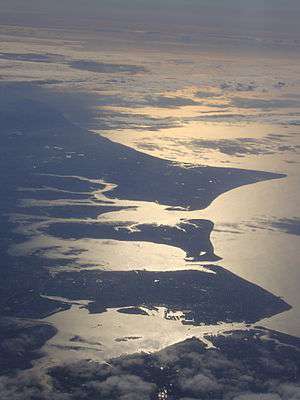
[[275, 16]]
